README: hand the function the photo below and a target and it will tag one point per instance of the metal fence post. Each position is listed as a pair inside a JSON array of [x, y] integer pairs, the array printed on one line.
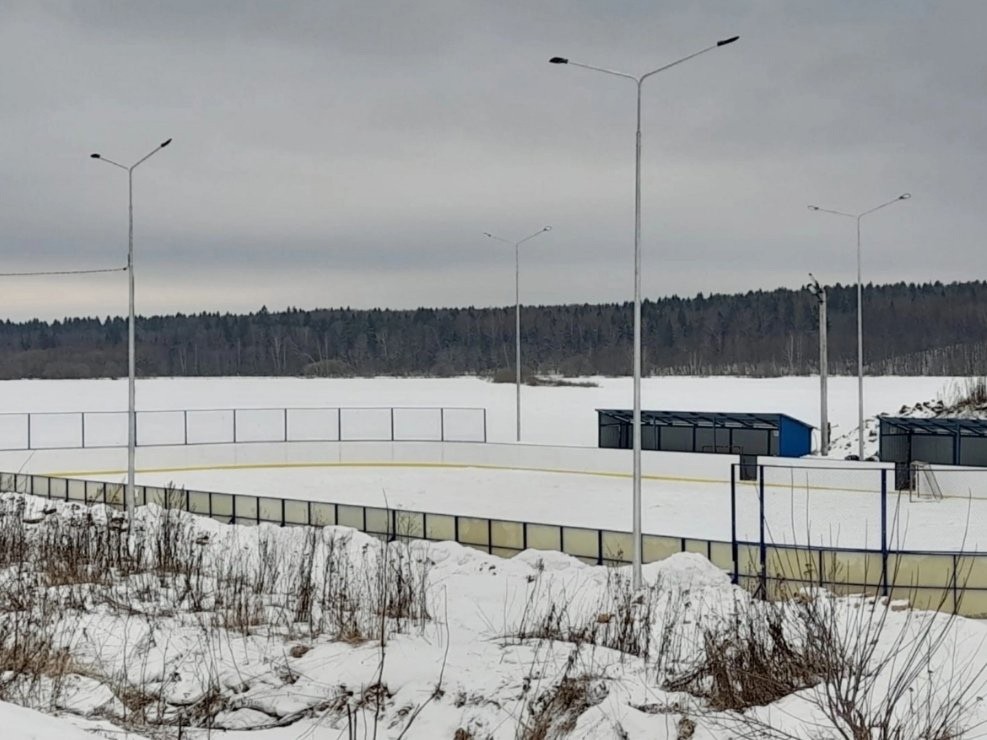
[[286, 425], [956, 591], [29, 431], [185, 415], [761, 525], [734, 550], [884, 532], [234, 426], [484, 424], [392, 423], [442, 424], [82, 418]]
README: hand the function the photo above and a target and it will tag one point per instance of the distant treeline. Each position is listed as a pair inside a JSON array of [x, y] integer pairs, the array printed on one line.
[[930, 329]]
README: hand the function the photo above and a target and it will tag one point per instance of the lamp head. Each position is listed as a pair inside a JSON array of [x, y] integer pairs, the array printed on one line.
[[730, 40], [547, 228], [558, 60], [904, 196], [95, 156], [813, 208], [165, 143]]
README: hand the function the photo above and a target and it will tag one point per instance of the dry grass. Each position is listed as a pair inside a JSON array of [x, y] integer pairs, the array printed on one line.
[[80, 566], [754, 657]]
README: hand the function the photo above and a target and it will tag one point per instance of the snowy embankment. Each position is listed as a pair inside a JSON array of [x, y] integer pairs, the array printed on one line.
[[269, 634]]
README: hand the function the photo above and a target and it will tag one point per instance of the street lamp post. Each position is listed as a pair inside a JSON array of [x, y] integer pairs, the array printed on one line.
[[860, 320], [517, 313], [820, 293], [636, 421], [130, 501]]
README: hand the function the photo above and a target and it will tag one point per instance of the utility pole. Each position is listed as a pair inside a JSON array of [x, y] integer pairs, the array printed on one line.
[[820, 293]]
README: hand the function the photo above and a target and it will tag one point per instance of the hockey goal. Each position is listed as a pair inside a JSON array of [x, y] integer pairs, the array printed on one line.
[[924, 486]]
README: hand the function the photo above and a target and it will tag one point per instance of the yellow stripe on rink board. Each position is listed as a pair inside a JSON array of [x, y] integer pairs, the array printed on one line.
[[388, 464]]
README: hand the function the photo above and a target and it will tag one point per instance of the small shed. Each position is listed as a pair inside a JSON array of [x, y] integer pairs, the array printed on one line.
[[937, 441], [775, 435]]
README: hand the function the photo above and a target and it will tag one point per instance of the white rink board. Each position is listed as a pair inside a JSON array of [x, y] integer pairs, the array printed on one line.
[[465, 425], [260, 425], [209, 427], [49, 431], [313, 424], [13, 431], [161, 428], [423, 425], [369, 424], [106, 429]]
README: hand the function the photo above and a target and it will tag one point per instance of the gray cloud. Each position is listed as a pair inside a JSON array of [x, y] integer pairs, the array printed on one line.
[[352, 153]]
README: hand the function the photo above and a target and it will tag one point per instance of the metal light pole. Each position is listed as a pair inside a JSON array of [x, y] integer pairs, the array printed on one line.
[[636, 426], [820, 293], [860, 319], [517, 313], [130, 501]]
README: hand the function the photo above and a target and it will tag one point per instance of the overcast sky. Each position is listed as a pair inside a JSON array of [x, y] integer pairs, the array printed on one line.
[[353, 153]]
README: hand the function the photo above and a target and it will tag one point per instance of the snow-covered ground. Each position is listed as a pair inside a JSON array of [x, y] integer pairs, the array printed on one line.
[[212, 631]]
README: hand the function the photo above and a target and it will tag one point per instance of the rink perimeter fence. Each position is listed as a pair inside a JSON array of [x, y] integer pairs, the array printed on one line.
[[106, 429], [781, 559]]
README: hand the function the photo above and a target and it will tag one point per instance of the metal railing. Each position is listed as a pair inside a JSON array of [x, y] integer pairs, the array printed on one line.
[[105, 429], [953, 580]]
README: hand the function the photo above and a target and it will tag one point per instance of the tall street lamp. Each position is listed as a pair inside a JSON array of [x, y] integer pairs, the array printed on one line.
[[820, 293], [860, 319], [517, 312], [638, 80], [130, 502]]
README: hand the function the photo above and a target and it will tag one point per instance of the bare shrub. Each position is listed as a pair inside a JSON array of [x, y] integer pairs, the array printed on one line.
[[873, 670], [553, 712], [755, 656], [625, 619]]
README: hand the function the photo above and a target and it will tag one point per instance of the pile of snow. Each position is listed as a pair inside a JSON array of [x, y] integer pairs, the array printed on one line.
[[229, 631], [962, 398]]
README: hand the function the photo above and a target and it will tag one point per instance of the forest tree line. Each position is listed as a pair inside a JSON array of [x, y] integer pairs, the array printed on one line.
[[909, 329]]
